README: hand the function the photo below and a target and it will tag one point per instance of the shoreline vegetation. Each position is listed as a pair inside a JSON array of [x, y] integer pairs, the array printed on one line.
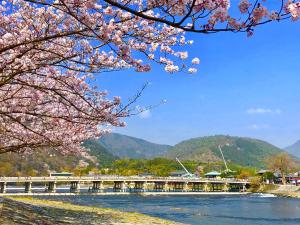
[[37, 211]]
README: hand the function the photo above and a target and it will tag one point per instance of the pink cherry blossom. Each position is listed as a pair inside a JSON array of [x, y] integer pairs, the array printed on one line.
[[52, 50], [294, 9], [244, 6], [192, 70], [171, 68], [195, 61]]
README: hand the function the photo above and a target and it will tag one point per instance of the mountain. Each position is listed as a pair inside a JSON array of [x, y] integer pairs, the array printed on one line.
[[125, 146], [294, 149], [41, 162], [36, 164], [239, 150], [103, 156]]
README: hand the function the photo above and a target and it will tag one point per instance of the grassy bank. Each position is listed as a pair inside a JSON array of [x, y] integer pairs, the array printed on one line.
[[27, 208]]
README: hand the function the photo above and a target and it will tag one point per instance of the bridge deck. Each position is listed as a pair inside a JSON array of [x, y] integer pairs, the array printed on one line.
[[119, 179]]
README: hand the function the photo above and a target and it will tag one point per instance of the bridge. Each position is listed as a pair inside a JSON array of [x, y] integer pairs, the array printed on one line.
[[125, 184]]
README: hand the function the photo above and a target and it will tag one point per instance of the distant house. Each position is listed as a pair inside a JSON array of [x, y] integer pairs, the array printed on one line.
[[212, 174], [262, 172], [291, 178], [267, 176]]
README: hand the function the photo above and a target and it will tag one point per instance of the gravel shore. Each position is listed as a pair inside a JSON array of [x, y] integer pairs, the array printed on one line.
[[33, 211]]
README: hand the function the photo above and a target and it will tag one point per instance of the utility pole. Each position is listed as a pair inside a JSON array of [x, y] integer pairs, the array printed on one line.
[[227, 170], [187, 172]]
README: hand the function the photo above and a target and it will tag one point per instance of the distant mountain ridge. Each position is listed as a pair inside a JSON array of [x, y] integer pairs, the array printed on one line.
[[102, 155], [104, 151], [239, 150], [294, 149], [125, 146]]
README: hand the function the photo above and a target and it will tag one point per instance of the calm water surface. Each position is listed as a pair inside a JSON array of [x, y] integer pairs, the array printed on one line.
[[206, 210]]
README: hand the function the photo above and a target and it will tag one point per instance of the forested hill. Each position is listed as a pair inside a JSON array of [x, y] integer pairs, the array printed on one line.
[[294, 149], [109, 148], [125, 146], [104, 152], [104, 157], [239, 150], [40, 162]]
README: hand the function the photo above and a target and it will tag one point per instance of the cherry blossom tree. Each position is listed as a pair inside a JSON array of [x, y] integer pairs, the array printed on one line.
[[51, 50], [211, 16]]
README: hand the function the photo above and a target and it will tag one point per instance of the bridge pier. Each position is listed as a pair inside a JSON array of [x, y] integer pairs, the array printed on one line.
[[237, 187], [140, 186], [3, 187], [186, 187], [166, 187], [217, 186], [120, 186], [28, 187], [145, 186], [97, 186], [244, 189], [207, 187], [123, 186], [131, 186], [226, 187], [158, 186], [234, 187], [75, 186], [51, 187], [178, 186], [197, 186]]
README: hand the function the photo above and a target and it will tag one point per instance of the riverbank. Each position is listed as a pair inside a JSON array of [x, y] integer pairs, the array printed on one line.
[[25, 210], [120, 193], [290, 191], [221, 193]]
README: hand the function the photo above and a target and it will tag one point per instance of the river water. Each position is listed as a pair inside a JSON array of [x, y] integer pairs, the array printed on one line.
[[202, 210]]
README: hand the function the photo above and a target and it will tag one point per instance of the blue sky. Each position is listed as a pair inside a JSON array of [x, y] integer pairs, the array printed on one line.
[[244, 87]]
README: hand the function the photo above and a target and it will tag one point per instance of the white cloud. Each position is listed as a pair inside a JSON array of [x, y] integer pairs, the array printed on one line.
[[263, 111], [145, 114], [142, 112], [258, 126]]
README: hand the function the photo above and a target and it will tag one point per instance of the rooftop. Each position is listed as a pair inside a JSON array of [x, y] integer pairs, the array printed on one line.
[[213, 173], [263, 171]]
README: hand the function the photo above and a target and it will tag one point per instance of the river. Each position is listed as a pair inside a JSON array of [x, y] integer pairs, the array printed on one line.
[[253, 209]]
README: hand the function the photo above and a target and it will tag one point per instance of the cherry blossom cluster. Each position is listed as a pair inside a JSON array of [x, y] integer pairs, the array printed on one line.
[[50, 50], [53, 110], [294, 9], [210, 16]]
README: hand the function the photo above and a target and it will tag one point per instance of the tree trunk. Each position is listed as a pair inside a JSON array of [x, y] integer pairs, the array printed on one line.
[[283, 177]]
